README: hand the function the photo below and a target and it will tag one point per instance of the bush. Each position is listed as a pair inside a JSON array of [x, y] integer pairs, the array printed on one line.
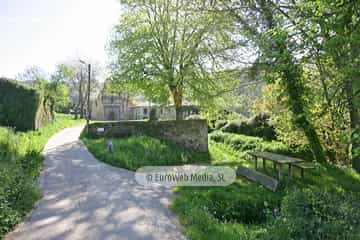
[[17, 195], [8, 143], [315, 214], [257, 126], [21, 107], [17, 188], [246, 210], [245, 143], [20, 165], [219, 124]]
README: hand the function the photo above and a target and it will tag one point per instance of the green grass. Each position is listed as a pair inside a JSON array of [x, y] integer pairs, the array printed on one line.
[[239, 211], [138, 151], [20, 164]]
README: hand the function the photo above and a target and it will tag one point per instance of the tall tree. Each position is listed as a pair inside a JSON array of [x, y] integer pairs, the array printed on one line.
[[174, 48], [332, 29], [278, 52], [31, 74], [75, 75]]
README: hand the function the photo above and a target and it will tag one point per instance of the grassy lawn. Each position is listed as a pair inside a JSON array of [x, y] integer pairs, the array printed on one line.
[[243, 210], [137, 151], [239, 211], [20, 164]]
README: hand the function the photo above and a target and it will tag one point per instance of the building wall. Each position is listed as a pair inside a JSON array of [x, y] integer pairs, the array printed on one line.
[[97, 110], [118, 108], [110, 108]]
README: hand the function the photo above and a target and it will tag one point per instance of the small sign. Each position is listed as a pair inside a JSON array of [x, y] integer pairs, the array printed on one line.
[[100, 129]]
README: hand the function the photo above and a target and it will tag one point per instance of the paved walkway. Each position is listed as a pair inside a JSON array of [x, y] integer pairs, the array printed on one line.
[[87, 199]]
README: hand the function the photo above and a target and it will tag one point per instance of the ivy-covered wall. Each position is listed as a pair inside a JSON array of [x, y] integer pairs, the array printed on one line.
[[21, 107]]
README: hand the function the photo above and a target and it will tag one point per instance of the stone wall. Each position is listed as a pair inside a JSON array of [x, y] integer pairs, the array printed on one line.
[[192, 134]]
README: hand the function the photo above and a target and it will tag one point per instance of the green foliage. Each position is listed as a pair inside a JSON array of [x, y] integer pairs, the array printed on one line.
[[219, 124], [17, 195], [235, 206], [56, 94], [20, 164], [166, 50], [245, 210], [21, 107], [135, 152], [219, 118], [245, 143], [329, 122], [257, 126], [316, 215]]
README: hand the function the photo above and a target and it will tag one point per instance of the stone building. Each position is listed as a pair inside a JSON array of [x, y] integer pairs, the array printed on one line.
[[108, 108]]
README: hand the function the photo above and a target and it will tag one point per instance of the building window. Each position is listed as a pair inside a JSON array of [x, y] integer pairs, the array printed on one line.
[[145, 111]]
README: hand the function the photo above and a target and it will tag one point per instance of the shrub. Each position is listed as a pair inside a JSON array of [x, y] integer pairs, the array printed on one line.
[[8, 143], [246, 210], [17, 194], [315, 214], [20, 164], [245, 143], [219, 124], [21, 107], [256, 126]]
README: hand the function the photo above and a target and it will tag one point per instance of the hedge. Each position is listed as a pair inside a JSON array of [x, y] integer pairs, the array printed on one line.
[[245, 143], [258, 126], [315, 214], [21, 107]]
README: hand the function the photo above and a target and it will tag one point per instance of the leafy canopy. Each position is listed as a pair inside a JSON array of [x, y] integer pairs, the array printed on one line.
[[173, 48]]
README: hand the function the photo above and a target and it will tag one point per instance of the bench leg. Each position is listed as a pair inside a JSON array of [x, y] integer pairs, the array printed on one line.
[[264, 164], [279, 171], [274, 166], [290, 170], [302, 172], [256, 163]]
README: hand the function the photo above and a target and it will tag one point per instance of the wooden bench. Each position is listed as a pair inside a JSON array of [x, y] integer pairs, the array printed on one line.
[[302, 166], [258, 177], [277, 159]]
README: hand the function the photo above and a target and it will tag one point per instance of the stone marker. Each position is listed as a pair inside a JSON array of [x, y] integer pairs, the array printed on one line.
[[110, 146]]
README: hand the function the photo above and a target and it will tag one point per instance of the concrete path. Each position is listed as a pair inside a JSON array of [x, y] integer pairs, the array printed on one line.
[[87, 199]]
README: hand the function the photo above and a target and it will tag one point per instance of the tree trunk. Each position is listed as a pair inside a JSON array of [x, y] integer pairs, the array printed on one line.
[[294, 87], [177, 94], [52, 108], [354, 125]]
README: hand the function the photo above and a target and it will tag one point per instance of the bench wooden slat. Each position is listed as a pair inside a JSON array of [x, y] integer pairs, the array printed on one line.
[[258, 177], [304, 165], [275, 157]]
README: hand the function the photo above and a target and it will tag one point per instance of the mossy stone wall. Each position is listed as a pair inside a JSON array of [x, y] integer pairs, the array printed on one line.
[[192, 134]]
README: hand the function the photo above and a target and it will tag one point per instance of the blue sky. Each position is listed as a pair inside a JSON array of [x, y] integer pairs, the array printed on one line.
[[46, 32]]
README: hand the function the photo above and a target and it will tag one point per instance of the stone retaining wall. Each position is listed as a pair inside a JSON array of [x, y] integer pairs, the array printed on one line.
[[192, 134]]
